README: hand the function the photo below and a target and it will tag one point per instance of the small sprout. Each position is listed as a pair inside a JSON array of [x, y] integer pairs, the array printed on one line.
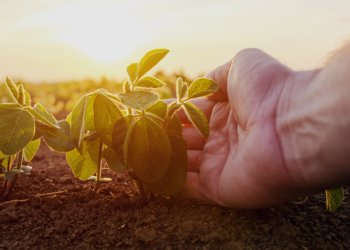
[[334, 198], [24, 126]]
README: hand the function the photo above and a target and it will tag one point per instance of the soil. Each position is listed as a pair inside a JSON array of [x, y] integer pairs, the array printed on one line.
[[117, 218]]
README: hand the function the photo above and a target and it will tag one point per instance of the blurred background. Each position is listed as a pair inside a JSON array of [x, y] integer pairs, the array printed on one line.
[[62, 49]]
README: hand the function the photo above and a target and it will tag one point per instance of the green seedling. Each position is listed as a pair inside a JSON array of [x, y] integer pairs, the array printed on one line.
[[135, 132], [21, 127], [334, 198]]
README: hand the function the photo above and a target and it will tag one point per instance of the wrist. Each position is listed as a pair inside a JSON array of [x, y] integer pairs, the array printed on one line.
[[295, 130], [313, 124]]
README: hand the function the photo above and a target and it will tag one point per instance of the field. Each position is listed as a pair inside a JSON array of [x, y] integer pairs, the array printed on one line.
[[118, 218]]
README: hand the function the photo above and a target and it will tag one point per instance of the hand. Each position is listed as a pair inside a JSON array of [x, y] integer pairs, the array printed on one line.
[[241, 164]]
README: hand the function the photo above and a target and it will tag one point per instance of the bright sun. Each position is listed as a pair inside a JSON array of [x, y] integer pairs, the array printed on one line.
[[104, 32]]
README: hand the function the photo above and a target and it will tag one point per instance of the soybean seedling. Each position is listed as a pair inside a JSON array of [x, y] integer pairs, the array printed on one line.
[[334, 198], [135, 132], [21, 127]]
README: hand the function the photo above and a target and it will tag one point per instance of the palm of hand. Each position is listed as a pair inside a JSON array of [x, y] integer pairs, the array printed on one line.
[[241, 164]]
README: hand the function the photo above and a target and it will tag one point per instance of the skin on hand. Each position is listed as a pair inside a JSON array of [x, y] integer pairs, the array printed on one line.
[[243, 163]]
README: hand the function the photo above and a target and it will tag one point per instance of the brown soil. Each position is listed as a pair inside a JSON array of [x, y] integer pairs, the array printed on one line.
[[116, 217]]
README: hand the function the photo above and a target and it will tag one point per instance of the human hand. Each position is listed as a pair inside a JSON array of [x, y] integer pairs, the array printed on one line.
[[242, 164]]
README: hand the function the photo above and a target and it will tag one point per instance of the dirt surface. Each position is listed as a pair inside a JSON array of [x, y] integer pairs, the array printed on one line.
[[117, 218]]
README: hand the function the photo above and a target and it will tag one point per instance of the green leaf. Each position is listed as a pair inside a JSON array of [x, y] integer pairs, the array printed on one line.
[[99, 91], [150, 60], [16, 130], [113, 161], [159, 109], [202, 87], [91, 137], [21, 94], [132, 71], [197, 118], [175, 177], [42, 111], [37, 135], [174, 126], [69, 118], [179, 85], [77, 124], [5, 159], [58, 139], [149, 82], [13, 89], [126, 86], [138, 100], [149, 150], [106, 115], [89, 114], [334, 198], [9, 175], [38, 116], [84, 165], [9, 106], [173, 107], [27, 99], [114, 98], [120, 132], [183, 90], [30, 150]]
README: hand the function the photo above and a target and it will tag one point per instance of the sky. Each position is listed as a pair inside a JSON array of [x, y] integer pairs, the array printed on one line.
[[63, 40]]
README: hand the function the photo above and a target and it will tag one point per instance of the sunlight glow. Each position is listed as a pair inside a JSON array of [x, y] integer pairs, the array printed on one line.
[[104, 32], [54, 40]]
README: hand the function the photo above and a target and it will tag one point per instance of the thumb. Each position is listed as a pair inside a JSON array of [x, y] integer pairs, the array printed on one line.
[[220, 75]]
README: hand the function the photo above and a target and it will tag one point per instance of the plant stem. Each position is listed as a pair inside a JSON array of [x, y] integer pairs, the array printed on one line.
[[129, 111], [19, 160], [8, 169], [170, 114], [142, 190], [99, 167], [9, 163], [13, 181]]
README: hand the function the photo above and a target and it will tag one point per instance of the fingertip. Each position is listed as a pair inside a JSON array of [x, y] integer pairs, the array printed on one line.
[[220, 75]]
